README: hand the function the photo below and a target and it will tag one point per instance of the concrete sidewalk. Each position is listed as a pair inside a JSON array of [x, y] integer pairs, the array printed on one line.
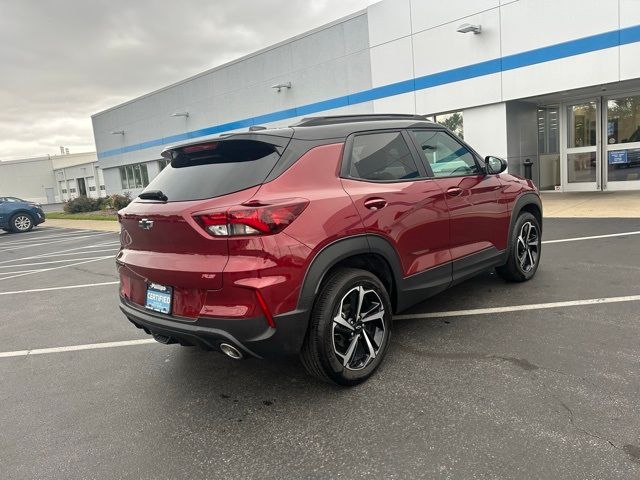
[[591, 204]]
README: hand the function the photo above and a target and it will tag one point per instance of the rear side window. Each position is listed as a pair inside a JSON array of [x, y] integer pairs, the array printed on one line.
[[445, 156], [381, 157], [214, 169]]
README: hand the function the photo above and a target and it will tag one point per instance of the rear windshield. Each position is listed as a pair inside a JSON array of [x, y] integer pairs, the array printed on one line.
[[215, 169]]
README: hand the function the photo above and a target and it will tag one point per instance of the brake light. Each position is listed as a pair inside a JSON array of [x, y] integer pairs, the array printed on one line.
[[201, 148], [252, 219]]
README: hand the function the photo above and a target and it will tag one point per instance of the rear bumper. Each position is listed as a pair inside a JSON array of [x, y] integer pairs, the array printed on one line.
[[252, 336]]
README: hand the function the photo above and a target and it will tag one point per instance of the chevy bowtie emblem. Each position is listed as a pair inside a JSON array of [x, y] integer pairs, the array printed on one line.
[[145, 224]]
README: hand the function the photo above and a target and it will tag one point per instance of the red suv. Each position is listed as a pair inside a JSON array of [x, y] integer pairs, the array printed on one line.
[[306, 240]]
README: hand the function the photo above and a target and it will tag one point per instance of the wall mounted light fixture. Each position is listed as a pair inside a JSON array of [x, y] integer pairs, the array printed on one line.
[[118, 132], [469, 28], [280, 86], [180, 114]]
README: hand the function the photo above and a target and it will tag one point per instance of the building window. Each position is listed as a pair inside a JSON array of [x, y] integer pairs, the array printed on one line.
[[134, 176], [102, 187], [163, 163], [453, 121], [64, 190], [92, 189], [72, 190]]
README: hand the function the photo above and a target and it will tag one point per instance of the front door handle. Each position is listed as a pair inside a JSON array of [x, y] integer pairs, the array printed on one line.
[[375, 203], [454, 191]]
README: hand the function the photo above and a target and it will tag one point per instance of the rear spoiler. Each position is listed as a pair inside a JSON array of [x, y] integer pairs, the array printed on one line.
[[279, 138]]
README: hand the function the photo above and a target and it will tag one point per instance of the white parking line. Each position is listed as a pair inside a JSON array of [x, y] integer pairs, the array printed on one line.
[[478, 311], [23, 241], [66, 287], [75, 348], [57, 268], [83, 252], [577, 239], [72, 239], [60, 252], [50, 261], [518, 308]]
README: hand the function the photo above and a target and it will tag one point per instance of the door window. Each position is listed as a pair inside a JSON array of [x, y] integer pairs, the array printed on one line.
[[382, 156], [623, 139], [445, 156]]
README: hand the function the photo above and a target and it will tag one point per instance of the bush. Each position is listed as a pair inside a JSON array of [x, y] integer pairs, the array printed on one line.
[[117, 201], [81, 204]]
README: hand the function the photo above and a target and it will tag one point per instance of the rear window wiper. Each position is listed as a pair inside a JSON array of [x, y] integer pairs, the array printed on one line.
[[153, 195]]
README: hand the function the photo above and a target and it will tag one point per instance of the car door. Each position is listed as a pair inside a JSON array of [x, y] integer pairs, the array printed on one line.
[[398, 202], [478, 230]]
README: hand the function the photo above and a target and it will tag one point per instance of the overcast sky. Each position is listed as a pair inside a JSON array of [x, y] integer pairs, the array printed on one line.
[[62, 61]]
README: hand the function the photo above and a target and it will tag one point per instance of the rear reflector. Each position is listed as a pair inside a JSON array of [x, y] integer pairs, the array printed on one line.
[[263, 305], [252, 219]]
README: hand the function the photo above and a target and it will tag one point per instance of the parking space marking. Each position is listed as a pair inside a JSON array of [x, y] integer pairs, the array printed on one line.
[[23, 241], [65, 287], [50, 261], [60, 252], [75, 348], [57, 268], [453, 313], [72, 239], [593, 237], [518, 308]]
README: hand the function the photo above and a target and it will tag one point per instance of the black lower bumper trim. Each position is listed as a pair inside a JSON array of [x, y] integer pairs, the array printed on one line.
[[253, 336]]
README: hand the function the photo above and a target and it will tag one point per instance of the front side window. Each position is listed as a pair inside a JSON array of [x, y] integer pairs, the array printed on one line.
[[445, 156], [382, 157]]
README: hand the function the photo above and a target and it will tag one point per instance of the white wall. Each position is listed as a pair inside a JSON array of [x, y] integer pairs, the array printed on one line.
[[485, 129], [27, 179]]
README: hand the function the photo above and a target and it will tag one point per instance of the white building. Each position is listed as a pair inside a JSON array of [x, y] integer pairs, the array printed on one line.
[[52, 179], [555, 82]]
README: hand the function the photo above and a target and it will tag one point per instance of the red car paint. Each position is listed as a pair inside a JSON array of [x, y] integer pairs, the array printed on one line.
[[429, 222]]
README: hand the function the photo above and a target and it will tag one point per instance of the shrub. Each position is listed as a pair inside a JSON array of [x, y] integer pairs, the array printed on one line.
[[117, 201], [81, 204]]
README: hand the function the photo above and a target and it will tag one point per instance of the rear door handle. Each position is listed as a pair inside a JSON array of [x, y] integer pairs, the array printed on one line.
[[454, 191], [375, 203]]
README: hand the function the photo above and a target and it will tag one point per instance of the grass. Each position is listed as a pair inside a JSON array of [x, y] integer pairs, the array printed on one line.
[[100, 215]]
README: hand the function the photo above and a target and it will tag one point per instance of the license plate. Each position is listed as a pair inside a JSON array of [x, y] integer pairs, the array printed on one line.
[[158, 298]]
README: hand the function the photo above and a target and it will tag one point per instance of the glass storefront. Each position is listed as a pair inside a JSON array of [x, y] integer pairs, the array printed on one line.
[[623, 139]]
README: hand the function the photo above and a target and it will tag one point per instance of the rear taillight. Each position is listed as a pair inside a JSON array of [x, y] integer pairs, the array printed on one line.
[[252, 218]]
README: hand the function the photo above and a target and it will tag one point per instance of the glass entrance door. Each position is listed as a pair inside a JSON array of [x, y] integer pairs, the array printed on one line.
[[622, 149], [581, 165]]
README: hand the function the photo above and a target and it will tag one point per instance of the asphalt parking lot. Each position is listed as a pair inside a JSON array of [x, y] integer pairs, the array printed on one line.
[[535, 380]]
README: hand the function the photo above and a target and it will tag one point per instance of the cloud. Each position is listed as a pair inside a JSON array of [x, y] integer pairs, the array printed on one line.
[[65, 60]]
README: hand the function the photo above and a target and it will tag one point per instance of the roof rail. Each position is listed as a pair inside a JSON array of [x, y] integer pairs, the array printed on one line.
[[366, 117]]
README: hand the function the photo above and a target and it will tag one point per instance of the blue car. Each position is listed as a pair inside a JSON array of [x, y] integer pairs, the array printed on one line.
[[17, 215]]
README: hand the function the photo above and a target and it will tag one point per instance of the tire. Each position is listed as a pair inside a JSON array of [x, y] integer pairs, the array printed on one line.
[[348, 351], [523, 258], [21, 223]]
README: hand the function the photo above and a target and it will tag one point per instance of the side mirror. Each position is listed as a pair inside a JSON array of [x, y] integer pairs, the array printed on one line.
[[494, 165]]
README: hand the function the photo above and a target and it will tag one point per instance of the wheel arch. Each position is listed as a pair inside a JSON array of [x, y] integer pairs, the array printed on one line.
[[368, 252], [527, 202]]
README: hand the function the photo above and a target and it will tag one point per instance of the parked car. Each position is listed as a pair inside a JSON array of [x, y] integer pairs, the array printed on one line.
[[17, 215], [306, 240]]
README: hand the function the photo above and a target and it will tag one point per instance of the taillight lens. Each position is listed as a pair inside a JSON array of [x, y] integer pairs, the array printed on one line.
[[252, 219]]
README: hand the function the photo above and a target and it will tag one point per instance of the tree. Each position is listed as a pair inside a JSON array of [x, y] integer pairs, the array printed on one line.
[[453, 121]]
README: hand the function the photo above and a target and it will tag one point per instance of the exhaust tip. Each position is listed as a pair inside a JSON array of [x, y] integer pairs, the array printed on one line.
[[162, 339], [230, 351]]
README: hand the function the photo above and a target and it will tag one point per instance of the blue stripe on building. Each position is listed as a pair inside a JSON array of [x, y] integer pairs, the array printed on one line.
[[571, 48]]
